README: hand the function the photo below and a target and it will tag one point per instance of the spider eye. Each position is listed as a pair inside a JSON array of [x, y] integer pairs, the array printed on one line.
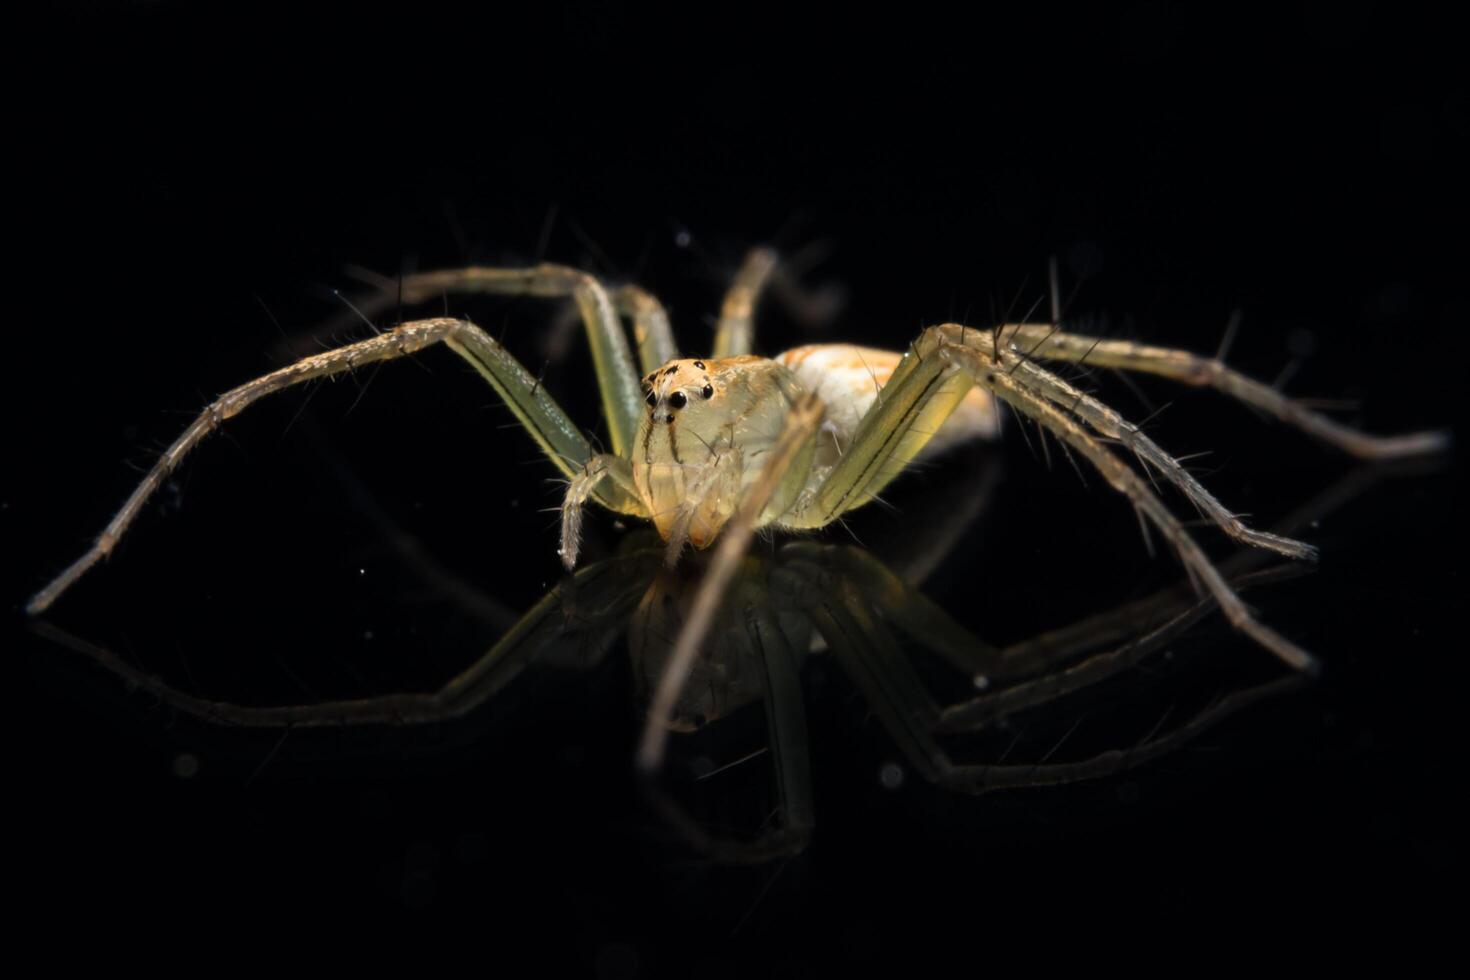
[[677, 400], [709, 391], [652, 399]]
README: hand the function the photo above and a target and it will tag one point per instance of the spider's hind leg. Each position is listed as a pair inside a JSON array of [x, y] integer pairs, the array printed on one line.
[[617, 378], [1046, 342]]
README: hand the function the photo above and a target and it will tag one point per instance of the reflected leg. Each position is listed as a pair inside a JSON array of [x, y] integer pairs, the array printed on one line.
[[604, 594], [790, 756], [879, 668]]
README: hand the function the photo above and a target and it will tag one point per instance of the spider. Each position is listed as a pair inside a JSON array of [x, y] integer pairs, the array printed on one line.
[[714, 448]]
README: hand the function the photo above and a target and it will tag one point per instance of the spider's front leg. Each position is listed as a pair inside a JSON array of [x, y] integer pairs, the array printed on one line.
[[553, 431], [617, 378]]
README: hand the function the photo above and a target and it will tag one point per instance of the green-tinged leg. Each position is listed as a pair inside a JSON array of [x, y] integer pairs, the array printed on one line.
[[562, 442], [651, 330], [1046, 342], [1014, 390], [736, 333], [1108, 423], [921, 394], [617, 378]]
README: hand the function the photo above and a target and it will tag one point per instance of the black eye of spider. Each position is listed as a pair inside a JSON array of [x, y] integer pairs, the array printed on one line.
[[652, 399], [677, 400], [709, 391], [699, 364]]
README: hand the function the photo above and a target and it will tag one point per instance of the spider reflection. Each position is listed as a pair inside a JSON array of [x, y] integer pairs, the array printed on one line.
[[871, 622]]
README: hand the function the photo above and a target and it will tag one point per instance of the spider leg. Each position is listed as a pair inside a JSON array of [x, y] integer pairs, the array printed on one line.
[[617, 379], [1014, 390], [1107, 422], [1047, 342], [1058, 645], [651, 330], [797, 438], [558, 437], [604, 594], [736, 333], [920, 394]]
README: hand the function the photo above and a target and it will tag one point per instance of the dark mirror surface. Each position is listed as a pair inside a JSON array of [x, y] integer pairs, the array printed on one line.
[[207, 194]]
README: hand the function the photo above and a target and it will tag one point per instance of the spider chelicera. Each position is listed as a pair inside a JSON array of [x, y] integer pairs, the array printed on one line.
[[713, 449]]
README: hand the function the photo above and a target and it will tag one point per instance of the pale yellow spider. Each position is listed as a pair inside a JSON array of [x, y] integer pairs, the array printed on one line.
[[716, 448]]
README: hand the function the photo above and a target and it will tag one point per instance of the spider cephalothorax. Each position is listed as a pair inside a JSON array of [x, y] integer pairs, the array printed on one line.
[[700, 447]]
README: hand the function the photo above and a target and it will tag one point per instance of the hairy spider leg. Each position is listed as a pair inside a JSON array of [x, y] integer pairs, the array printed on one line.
[[651, 330], [612, 359], [1046, 342], [556, 434], [736, 333]]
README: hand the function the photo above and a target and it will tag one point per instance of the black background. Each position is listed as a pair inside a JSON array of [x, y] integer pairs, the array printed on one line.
[[194, 183]]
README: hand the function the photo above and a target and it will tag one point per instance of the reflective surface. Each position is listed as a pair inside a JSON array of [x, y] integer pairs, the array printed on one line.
[[384, 534]]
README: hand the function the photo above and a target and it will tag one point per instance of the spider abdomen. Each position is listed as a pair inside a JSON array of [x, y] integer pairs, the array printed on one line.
[[848, 379]]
